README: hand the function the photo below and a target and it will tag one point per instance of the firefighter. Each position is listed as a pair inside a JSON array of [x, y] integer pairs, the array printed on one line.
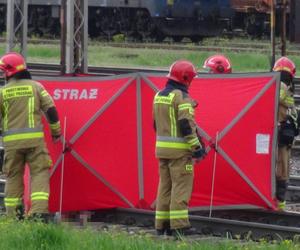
[[22, 104], [217, 64], [177, 146], [287, 126]]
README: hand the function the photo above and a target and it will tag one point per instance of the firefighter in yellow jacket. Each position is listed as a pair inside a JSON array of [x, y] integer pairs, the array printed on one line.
[[177, 144], [287, 122], [22, 104]]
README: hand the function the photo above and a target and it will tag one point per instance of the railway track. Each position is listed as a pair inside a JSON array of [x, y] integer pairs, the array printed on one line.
[[210, 45], [293, 194], [221, 48], [204, 225], [39, 69], [233, 224]]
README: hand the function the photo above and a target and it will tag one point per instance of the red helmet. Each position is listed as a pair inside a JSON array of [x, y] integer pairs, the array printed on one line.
[[12, 63], [218, 64], [285, 64], [183, 72]]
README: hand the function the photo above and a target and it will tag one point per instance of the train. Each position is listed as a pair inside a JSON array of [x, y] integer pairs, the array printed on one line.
[[154, 19]]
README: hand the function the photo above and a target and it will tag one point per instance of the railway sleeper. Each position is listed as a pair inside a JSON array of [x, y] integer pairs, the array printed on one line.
[[217, 226]]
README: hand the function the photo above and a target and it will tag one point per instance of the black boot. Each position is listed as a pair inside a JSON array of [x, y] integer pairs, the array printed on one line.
[[179, 232], [20, 211], [40, 217], [160, 232], [281, 187], [166, 230], [169, 232]]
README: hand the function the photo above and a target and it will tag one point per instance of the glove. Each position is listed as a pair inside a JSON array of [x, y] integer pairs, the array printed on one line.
[[199, 154], [56, 138], [200, 138]]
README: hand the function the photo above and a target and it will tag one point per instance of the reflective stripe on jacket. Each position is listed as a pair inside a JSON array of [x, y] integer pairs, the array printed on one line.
[[286, 101]]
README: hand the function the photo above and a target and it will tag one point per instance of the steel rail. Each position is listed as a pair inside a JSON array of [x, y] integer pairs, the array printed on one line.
[[214, 45], [44, 69], [293, 192], [232, 47], [205, 225], [281, 218], [294, 180]]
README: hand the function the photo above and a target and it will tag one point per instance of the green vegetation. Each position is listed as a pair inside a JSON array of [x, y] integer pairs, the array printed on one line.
[[38, 236], [101, 54]]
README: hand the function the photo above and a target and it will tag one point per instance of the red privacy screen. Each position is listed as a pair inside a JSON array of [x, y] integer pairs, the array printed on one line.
[[109, 159]]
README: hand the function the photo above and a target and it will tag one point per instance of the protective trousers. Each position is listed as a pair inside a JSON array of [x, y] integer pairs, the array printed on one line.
[[282, 171], [174, 192], [14, 165]]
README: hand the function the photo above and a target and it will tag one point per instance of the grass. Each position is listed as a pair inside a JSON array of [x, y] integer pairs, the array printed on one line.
[[38, 236], [101, 54]]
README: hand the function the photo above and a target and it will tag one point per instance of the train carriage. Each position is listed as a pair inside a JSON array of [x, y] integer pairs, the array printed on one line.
[[155, 19]]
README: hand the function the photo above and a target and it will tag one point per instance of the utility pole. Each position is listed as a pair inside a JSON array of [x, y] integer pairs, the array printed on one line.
[[63, 36], [17, 26], [294, 21], [272, 25], [283, 7], [76, 36]]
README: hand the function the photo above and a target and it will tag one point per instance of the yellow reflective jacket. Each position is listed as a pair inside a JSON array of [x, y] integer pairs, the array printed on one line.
[[286, 102], [22, 104], [168, 113]]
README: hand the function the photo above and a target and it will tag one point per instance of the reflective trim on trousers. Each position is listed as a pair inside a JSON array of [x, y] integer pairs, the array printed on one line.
[[12, 202], [162, 215], [179, 214], [39, 196]]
